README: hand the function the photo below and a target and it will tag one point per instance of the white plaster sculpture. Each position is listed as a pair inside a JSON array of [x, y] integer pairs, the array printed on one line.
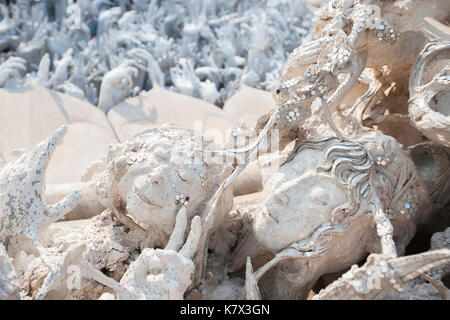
[[359, 208], [411, 277], [204, 48], [22, 211], [146, 182], [334, 193]]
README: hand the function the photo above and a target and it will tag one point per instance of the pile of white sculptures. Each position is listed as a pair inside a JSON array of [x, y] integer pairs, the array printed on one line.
[[326, 196], [104, 51]]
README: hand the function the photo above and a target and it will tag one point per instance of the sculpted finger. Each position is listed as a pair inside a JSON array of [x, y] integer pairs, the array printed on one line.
[[316, 44], [139, 54], [18, 60], [132, 71], [177, 236], [60, 209], [190, 247], [14, 63], [40, 166], [171, 287], [93, 168], [12, 73], [251, 284], [30, 156], [17, 66]]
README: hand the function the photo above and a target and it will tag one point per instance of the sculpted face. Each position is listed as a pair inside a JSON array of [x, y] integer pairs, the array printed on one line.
[[151, 187], [154, 175], [302, 199]]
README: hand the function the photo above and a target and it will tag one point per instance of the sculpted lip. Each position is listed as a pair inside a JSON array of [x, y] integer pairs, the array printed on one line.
[[144, 198]]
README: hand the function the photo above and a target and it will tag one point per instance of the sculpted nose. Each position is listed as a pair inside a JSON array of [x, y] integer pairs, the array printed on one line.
[[156, 178]]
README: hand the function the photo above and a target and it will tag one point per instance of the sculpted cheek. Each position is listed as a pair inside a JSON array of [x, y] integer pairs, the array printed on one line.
[[320, 196]]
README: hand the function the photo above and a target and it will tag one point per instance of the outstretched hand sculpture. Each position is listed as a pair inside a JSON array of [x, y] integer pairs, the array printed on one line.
[[22, 182], [428, 108], [117, 85], [165, 273], [11, 68]]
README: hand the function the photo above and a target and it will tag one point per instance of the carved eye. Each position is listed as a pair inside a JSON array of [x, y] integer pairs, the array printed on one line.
[[156, 178], [281, 198], [182, 174], [320, 195]]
